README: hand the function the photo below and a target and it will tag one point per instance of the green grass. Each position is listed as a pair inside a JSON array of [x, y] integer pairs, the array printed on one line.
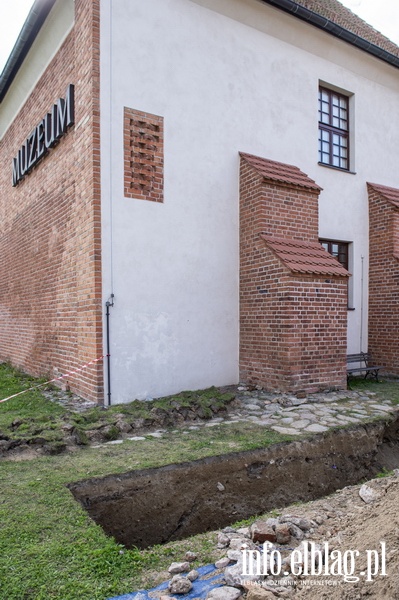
[[30, 405], [31, 415], [384, 473], [388, 389], [49, 547]]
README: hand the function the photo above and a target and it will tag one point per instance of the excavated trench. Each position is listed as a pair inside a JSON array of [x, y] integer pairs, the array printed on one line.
[[155, 506]]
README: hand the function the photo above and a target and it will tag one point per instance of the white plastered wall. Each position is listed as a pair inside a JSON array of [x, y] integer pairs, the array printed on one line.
[[227, 77]]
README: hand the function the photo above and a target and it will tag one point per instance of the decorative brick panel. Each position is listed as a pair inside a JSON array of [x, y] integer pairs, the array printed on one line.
[[143, 155], [293, 326], [395, 236], [384, 277], [50, 229]]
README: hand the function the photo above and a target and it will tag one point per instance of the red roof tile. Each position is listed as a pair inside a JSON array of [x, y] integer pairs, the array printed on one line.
[[391, 194], [340, 15], [280, 172], [305, 257]]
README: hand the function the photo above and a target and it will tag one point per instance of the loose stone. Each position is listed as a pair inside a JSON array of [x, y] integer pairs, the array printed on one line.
[[301, 522], [223, 540], [191, 556], [222, 563], [180, 585], [283, 535], [234, 555], [224, 593], [178, 567], [234, 577], [296, 532], [370, 494], [239, 543], [262, 532]]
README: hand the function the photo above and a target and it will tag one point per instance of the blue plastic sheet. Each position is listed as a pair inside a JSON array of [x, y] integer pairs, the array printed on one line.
[[205, 582]]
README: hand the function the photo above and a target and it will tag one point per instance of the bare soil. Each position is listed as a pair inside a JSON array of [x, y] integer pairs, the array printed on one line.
[[351, 524]]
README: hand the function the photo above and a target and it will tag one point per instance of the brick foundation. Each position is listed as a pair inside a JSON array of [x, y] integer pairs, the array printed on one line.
[[50, 243], [384, 277], [292, 325]]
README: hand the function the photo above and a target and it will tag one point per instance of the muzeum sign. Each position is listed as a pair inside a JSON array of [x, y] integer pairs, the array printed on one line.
[[44, 136]]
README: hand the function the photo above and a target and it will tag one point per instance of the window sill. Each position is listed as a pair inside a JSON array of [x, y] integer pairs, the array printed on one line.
[[336, 168]]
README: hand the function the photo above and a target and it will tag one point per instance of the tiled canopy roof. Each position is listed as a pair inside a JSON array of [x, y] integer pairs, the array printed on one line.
[[340, 15], [280, 172], [305, 257], [391, 194]]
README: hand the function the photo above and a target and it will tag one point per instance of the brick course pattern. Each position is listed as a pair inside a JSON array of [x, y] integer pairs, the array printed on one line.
[[50, 230], [143, 155], [384, 277], [292, 324]]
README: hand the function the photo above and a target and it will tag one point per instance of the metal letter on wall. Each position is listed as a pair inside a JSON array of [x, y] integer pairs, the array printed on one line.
[[45, 135]]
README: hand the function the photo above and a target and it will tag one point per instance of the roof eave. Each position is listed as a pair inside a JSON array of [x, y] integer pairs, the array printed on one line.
[[321, 22], [34, 21], [41, 9]]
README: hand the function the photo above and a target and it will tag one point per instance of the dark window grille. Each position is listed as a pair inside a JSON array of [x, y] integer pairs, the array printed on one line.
[[333, 129]]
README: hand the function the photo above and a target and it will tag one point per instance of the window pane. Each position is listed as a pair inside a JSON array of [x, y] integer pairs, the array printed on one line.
[[337, 249], [333, 128], [325, 96]]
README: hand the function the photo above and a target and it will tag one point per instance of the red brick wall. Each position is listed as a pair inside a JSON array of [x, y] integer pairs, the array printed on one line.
[[395, 225], [383, 282], [292, 327], [50, 245], [280, 210]]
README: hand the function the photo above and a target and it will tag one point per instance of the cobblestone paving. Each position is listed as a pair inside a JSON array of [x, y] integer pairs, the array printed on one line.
[[290, 415], [316, 413]]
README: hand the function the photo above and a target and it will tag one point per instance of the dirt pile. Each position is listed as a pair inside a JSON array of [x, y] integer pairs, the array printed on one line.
[[355, 525]]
